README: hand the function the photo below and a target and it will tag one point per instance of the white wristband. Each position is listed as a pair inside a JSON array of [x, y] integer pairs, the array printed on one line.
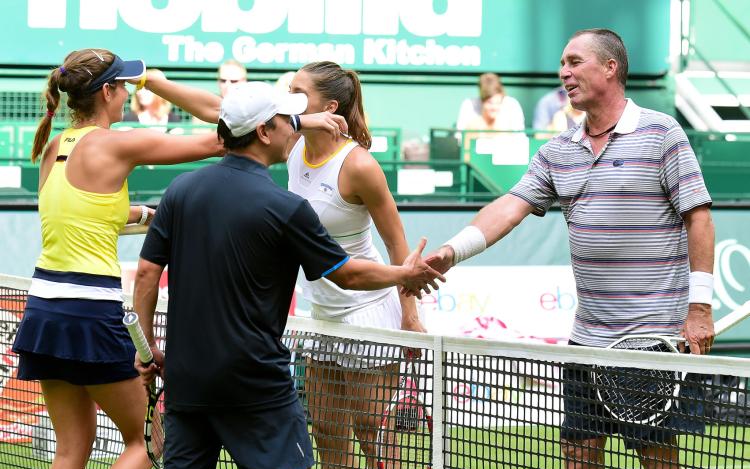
[[701, 288], [144, 215], [468, 242]]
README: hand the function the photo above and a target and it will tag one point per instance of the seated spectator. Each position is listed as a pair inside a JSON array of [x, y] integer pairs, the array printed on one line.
[[547, 106], [566, 118], [498, 112], [284, 81], [471, 108], [231, 72], [149, 109]]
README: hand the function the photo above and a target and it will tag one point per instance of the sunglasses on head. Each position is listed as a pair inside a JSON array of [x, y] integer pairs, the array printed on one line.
[[226, 80]]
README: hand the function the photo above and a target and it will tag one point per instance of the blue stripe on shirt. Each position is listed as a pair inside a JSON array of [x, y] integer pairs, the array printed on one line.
[[335, 266]]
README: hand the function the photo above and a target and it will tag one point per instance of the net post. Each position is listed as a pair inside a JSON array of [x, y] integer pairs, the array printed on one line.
[[437, 404]]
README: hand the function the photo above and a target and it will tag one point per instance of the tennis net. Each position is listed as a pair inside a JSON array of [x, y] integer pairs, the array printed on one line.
[[394, 399]]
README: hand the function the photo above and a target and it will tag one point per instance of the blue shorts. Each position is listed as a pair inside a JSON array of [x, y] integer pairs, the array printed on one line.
[[268, 439], [79, 341], [585, 417]]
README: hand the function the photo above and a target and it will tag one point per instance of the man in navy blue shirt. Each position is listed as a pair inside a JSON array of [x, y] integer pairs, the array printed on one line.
[[234, 242]]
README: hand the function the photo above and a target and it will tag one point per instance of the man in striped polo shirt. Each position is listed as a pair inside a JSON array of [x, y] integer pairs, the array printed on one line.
[[637, 210]]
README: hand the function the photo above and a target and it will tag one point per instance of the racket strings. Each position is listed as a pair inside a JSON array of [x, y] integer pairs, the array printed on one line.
[[405, 436], [155, 434], [635, 394]]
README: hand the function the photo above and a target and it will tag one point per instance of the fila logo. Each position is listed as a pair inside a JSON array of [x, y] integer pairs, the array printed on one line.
[[70, 139]]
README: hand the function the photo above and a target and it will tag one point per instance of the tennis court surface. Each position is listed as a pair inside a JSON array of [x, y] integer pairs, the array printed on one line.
[[461, 403]]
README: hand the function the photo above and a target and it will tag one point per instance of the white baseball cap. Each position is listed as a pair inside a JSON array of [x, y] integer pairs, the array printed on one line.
[[247, 105]]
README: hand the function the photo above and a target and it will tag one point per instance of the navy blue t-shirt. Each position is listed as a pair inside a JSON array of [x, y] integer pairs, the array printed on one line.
[[234, 242]]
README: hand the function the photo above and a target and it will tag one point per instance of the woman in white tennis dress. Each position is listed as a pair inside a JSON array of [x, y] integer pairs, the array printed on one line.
[[347, 384]]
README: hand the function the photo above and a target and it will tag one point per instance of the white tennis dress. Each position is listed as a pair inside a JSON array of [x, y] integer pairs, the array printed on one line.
[[348, 224]]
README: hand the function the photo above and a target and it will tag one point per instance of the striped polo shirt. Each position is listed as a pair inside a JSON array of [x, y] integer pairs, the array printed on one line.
[[623, 209]]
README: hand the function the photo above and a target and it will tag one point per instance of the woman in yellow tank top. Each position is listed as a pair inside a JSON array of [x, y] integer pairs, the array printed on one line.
[[71, 338]]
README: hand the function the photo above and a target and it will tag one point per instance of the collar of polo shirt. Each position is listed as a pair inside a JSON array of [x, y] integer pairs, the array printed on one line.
[[627, 123]]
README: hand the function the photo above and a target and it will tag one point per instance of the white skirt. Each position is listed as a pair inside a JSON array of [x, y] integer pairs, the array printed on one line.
[[349, 352]]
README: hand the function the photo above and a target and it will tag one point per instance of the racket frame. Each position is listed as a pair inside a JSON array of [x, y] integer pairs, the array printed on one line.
[[134, 229], [146, 357], [658, 415], [720, 326]]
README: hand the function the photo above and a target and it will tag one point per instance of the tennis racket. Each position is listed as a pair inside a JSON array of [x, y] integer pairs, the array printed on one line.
[[153, 431], [405, 434], [645, 396], [134, 229]]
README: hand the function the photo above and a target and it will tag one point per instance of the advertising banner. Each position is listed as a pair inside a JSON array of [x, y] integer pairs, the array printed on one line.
[[373, 35]]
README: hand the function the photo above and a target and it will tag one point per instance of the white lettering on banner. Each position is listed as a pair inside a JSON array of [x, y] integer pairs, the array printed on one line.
[[391, 52], [462, 18], [46, 14], [724, 275], [225, 16], [192, 50], [247, 50]]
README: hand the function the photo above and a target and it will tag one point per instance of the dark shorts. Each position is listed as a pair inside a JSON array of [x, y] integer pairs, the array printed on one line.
[[585, 417], [79, 341], [268, 439]]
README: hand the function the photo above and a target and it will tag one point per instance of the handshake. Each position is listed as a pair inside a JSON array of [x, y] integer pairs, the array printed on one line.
[[423, 273]]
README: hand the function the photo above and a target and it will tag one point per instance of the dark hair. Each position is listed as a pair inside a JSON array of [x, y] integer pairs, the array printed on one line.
[[607, 45], [78, 70], [231, 142], [343, 86], [490, 85]]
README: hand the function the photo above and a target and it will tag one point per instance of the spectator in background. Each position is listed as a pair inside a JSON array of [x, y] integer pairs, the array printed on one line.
[[564, 119], [284, 81], [549, 105], [231, 72], [498, 112], [150, 109], [471, 108], [502, 113]]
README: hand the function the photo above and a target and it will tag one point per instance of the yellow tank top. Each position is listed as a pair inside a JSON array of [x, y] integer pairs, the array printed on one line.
[[79, 228]]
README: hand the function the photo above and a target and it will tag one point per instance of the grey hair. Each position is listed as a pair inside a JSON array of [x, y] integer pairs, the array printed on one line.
[[607, 44]]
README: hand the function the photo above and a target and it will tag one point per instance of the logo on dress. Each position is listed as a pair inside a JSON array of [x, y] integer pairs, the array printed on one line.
[[305, 179], [618, 162], [326, 189]]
